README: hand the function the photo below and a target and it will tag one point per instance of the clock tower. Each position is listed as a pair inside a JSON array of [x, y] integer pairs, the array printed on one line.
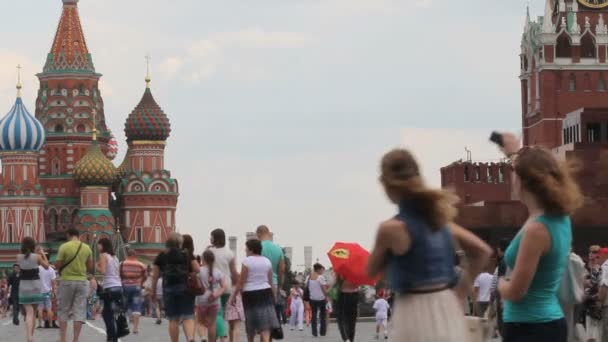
[[564, 67]]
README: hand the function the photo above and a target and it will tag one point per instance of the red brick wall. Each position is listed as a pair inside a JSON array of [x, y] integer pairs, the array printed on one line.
[[473, 190]]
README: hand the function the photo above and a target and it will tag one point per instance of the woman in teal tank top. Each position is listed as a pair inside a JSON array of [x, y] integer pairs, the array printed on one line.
[[537, 256]]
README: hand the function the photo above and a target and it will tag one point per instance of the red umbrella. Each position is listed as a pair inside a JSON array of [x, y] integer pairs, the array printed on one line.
[[349, 261]]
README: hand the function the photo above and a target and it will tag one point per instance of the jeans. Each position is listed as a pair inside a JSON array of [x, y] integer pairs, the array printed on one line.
[[112, 305], [133, 299], [16, 307], [319, 307], [554, 331], [346, 314]]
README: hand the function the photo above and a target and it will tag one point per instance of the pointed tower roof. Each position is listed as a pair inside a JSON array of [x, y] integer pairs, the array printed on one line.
[[69, 51]]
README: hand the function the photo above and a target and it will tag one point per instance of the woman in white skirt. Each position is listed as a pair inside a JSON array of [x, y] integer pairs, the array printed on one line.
[[416, 250]]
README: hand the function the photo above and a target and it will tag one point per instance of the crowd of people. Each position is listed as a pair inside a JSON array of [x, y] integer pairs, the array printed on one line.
[[431, 264]]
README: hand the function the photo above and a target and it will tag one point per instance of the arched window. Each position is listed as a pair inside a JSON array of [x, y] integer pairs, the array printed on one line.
[[601, 84], [477, 174], [10, 232], [56, 167], [564, 47], [53, 220], [58, 128], [572, 83], [65, 219], [75, 217], [466, 173], [588, 49]]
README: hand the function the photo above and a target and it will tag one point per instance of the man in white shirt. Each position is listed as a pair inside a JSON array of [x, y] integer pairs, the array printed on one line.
[[482, 292], [47, 278]]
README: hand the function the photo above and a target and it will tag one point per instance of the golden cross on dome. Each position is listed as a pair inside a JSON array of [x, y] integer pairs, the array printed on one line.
[[148, 58], [19, 80]]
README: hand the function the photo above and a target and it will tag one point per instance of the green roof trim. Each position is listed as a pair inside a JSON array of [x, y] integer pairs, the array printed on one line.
[[10, 245], [147, 245]]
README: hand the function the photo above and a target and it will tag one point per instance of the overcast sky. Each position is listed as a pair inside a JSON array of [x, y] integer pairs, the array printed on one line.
[[281, 109]]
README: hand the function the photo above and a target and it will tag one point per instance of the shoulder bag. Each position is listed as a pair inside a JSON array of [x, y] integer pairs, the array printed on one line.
[[194, 286], [306, 296], [70, 261]]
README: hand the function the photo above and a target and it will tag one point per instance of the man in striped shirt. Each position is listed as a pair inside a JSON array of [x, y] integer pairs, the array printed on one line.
[[133, 275]]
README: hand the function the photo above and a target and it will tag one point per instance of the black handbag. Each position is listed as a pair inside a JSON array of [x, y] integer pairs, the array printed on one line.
[[306, 296], [122, 326], [277, 334]]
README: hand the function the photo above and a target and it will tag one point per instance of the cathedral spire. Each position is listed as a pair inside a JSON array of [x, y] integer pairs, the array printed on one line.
[[19, 80], [148, 79], [69, 51]]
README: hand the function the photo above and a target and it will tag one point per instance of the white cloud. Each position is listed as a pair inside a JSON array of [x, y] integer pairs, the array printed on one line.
[[230, 54], [258, 38], [171, 66], [424, 3]]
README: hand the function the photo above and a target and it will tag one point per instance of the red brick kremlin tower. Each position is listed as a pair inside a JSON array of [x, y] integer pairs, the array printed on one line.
[[68, 180], [564, 107]]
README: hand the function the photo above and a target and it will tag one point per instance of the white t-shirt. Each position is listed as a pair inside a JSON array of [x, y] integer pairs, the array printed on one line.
[[46, 278], [223, 257], [203, 275], [316, 292], [484, 283], [258, 268], [159, 287], [296, 294], [381, 306]]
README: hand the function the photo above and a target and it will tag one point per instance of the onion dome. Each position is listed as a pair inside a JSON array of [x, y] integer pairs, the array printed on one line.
[[94, 169], [147, 121], [112, 148], [20, 130], [123, 169]]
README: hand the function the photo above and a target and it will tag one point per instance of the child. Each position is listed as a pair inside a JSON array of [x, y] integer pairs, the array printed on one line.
[[208, 304], [297, 307], [381, 306], [234, 315]]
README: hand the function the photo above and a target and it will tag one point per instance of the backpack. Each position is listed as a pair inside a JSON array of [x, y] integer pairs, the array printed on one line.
[[177, 267], [572, 290]]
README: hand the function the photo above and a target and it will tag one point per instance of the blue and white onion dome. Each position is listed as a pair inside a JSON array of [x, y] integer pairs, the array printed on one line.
[[20, 130]]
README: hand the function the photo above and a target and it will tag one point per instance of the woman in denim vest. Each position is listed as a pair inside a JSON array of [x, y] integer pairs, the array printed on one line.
[[416, 250]]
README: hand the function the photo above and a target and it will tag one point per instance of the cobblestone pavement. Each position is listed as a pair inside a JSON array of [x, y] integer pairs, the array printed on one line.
[[150, 332]]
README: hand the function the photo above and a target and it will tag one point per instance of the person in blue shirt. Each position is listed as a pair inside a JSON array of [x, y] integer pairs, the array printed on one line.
[[274, 253], [538, 254]]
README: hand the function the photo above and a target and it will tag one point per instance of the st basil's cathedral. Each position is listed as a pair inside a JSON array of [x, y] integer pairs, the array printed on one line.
[[57, 169]]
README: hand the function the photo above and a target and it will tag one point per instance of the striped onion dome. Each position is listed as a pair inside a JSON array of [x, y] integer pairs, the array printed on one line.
[[20, 130], [94, 169], [147, 121]]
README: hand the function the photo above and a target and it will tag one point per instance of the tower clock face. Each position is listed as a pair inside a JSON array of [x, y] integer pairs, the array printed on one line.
[[594, 3]]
